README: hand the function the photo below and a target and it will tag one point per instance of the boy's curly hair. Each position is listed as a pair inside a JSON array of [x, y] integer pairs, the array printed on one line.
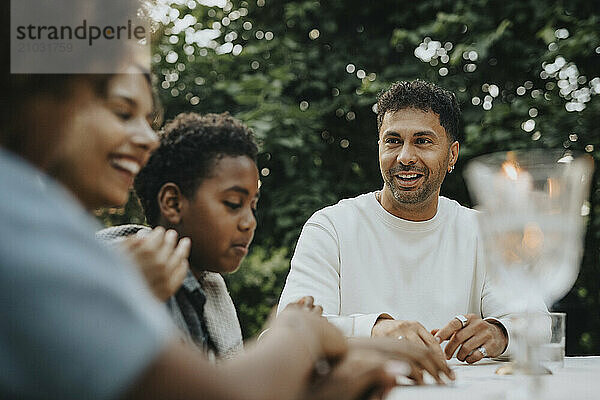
[[190, 146]]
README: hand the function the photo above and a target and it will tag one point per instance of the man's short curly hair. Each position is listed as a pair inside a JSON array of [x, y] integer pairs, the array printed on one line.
[[424, 96], [190, 146]]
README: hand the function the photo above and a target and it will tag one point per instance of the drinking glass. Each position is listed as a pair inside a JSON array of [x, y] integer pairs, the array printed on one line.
[[552, 353], [532, 227]]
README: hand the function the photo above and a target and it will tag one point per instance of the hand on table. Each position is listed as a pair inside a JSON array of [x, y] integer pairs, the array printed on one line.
[[418, 358], [362, 373], [341, 371], [410, 331], [162, 259], [370, 366], [470, 338]]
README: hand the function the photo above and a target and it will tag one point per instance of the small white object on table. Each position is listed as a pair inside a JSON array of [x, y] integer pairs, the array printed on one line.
[[578, 380]]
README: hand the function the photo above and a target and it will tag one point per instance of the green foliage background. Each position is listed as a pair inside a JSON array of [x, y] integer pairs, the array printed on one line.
[[305, 74]]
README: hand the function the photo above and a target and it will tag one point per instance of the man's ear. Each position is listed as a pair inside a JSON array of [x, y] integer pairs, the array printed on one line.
[[171, 203], [454, 148]]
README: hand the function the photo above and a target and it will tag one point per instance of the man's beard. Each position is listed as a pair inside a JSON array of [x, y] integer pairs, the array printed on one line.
[[419, 195]]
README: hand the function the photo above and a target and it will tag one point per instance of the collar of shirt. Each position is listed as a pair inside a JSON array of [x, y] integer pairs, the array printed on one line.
[[190, 283]]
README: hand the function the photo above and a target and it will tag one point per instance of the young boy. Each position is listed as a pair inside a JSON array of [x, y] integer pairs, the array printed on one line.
[[202, 182]]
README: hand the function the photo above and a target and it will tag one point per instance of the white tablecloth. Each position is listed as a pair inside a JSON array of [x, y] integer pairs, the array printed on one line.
[[578, 380]]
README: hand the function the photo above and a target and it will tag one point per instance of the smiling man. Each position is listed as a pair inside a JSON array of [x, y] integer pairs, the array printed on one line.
[[404, 261]]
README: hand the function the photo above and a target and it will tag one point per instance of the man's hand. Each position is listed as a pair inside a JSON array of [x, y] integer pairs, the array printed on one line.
[[161, 258], [471, 337], [410, 331], [418, 357]]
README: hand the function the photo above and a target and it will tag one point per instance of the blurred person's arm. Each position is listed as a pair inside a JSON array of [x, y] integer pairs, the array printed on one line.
[[77, 321], [179, 373], [419, 358], [279, 367]]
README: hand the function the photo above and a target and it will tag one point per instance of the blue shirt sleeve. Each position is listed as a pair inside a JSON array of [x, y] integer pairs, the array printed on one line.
[[77, 322]]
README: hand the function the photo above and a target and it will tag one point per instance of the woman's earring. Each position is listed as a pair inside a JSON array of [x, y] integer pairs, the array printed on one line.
[[451, 169]]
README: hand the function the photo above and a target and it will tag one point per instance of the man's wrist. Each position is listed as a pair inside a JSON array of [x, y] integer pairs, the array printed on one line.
[[382, 317], [501, 328]]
